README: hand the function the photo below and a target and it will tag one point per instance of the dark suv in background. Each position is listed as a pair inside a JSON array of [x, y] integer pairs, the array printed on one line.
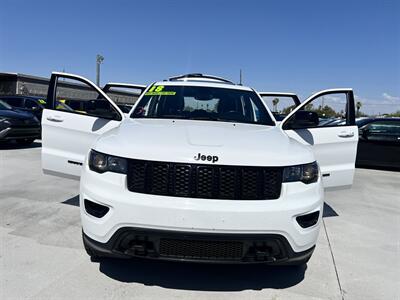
[[379, 143], [34, 105], [21, 126]]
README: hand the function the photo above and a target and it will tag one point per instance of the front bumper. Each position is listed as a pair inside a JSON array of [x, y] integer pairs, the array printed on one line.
[[205, 216], [198, 247]]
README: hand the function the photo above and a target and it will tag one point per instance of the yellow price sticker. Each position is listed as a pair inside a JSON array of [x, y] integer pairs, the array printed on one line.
[[158, 90]]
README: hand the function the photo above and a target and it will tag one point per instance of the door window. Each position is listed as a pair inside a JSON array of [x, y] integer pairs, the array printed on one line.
[[327, 110], [78, 97]]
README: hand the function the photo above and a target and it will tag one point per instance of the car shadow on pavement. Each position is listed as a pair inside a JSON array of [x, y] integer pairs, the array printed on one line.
[[204, 277], [14, 145], [74, 201], [329, 211]]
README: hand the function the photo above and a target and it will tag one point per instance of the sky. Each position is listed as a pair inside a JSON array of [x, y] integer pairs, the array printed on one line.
[[286, 46]]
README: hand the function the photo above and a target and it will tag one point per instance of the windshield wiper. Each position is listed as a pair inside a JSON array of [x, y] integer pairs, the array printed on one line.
[[205, 118]]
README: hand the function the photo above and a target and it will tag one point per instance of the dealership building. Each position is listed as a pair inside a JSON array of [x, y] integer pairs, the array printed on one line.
[[27, 85]]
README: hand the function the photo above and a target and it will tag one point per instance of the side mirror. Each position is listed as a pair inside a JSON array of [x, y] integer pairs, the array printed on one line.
[[303, 119]]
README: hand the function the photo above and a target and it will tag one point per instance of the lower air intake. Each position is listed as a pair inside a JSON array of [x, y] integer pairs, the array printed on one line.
[[198, 249]]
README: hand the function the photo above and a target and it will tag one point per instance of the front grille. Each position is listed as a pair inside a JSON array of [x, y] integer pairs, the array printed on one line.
[[204, 181], [199, 249]]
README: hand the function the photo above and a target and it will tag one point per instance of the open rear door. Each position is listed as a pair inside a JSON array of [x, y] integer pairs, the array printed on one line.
[[77, 112], [139, 87], [280, 104], [333, 135], [124, 94]]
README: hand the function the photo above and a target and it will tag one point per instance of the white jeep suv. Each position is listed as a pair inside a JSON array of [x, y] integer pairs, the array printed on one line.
[[198, 171]]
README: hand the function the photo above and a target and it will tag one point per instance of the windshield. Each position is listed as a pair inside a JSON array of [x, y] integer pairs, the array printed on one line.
[[202, 103], [4, 106]]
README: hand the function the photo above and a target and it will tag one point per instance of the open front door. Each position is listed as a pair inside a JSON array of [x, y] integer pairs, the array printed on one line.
[[124, 94], [326, 122], [77, 112], [280, 104]]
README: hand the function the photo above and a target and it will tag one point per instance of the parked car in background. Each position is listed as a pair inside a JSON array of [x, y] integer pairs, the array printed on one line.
[[21, 126], [379, 143], [30, 104]]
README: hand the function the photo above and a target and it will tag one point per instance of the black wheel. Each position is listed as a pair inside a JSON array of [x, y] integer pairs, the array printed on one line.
[[25, 142]]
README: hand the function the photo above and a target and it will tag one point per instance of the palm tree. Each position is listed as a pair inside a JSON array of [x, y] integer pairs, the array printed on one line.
[[358, 106], [275, 102]]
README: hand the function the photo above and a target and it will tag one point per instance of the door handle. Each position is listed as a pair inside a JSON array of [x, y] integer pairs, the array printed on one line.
[[346, 134], [55, 119]]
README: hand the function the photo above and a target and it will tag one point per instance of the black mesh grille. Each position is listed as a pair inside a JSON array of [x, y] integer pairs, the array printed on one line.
[[204, 181], [198, 249]]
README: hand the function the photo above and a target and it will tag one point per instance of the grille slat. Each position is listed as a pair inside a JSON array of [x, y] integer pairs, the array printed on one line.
[[204, 181]]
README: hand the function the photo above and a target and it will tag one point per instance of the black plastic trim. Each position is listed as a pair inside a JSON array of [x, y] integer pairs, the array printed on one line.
[[153, 236], [75, 162], [268, 180], [95, 209], [308, 220]]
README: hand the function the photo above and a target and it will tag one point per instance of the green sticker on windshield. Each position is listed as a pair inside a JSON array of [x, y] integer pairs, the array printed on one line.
[[158, 90], [41, 101]]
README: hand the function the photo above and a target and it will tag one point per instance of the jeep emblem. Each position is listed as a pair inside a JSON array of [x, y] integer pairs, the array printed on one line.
[[212, 158]]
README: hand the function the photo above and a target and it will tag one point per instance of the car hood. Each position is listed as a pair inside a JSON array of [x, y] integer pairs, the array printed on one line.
[[15, 114], [183, 140]]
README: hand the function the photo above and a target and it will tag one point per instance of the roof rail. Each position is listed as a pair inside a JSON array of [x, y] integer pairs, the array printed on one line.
[[199, 76]]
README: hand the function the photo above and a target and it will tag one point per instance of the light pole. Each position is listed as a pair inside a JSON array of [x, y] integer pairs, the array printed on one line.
[[99, 60]]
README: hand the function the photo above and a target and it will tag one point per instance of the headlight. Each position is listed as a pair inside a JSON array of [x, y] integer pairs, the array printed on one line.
[[101, 163], [307, 173]]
